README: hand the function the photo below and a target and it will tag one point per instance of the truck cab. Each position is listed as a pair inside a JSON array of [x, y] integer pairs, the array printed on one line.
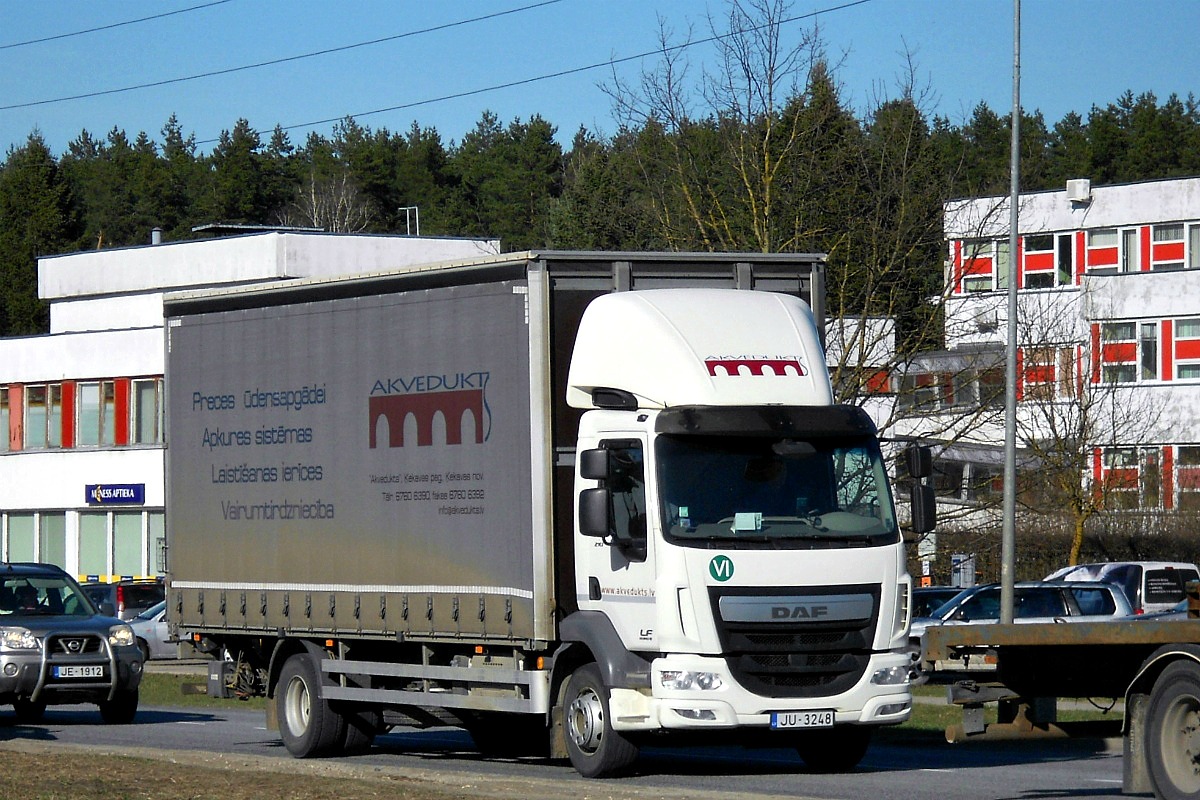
[[737, 532]]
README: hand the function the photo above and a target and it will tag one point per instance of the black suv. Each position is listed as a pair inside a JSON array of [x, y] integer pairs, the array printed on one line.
[[126, 598], [56, 648]]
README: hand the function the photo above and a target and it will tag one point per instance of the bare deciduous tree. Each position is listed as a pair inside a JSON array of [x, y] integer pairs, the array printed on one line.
[[332, 203]]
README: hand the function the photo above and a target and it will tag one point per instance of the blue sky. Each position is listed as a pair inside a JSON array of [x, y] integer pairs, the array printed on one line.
[[1075, 54]]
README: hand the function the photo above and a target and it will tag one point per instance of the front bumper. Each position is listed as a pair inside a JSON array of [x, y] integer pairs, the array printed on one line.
[[46, 676], [731, 706]]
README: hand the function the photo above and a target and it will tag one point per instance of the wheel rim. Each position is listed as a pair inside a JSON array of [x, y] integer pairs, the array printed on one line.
[[1180, 744], [585, 720], [297, 706]]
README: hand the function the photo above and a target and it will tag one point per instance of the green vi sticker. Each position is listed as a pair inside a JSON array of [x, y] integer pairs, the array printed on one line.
[[721, 568]]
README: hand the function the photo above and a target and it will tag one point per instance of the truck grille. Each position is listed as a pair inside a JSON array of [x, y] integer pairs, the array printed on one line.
[[798, 657]]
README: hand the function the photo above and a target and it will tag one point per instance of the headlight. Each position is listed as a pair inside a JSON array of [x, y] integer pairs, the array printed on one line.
[[686, 679], [890, 676], [121, 636], [18, 639]]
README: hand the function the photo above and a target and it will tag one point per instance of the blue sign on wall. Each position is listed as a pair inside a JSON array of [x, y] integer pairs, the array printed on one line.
[[113, 494]]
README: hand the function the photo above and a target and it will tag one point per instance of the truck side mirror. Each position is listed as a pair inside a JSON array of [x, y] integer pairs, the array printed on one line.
[[919, 461], [924, 508], [593, 511], [593, 464]]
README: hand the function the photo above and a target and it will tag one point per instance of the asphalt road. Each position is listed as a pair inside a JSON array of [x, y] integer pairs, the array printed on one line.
[[892, 770]]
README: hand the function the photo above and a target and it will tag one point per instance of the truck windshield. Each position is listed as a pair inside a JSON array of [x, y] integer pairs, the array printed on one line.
[[778, 492]]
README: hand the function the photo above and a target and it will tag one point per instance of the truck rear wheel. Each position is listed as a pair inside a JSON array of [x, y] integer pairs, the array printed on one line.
[[595, 749], [834, 750], [1173, 732], [308, 726]]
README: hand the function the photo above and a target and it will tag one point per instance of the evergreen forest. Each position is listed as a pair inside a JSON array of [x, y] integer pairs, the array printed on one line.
[[765, 156]]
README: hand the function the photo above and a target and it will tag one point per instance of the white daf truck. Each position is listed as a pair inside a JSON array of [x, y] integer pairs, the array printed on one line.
[[571, 502]]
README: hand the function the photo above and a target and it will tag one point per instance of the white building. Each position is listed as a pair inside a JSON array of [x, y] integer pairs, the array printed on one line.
[[1108, 282], [81, 433]]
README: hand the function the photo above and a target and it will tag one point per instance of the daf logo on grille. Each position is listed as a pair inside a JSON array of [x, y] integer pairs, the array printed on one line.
[[799, 612], [74, 645], [796, 608]]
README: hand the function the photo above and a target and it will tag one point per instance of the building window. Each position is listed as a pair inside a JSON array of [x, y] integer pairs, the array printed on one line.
[[986, 483], [1003, 265], [127, 544], [1049, 260], [1128, 352], [93, 544], [1167, 247], [1187, 478], [978, 265], [21, 538], [52, 538], [1193, 247], [948, 478], [1103, 250], [1131, 251], [145, 411], [926, 391], [1132, 478], [43, 416], [3, 419], [97, 413]]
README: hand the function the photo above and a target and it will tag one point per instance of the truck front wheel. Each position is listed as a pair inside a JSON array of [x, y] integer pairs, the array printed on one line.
[[595, 749], [308, 726], [1173, 732], [834, 750]]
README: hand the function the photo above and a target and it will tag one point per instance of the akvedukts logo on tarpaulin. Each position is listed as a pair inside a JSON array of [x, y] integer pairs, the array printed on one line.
[[103, 494], [755, 365], [453, 395]]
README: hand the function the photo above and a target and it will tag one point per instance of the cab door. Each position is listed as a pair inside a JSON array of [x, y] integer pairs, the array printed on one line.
[[615, 567]]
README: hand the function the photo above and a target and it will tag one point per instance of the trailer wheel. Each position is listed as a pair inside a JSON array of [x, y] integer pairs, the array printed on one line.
[[1173, 732], [308, 726], [361, 727], [836, 749], [595, 749]]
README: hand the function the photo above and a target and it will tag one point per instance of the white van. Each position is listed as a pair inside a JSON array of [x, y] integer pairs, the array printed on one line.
[[1151, 586]]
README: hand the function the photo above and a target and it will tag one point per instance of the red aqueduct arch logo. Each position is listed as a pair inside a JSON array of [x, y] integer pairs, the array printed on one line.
[[425, 406]]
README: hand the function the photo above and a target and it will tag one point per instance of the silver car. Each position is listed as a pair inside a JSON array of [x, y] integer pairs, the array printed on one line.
[[150, 628], [1033, 601]]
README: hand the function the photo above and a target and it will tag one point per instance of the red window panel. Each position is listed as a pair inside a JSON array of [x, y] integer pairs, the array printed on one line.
[[1168, 478], [16, 417], [1119, 352], [1040, 373], [1035, 262], [878, 383], [121, 411], [1121, 478], [1189, 478], [1167, 336], [1103, 257], [1170, 251], [1187, 348], [68, 414], [977, 266], [1145, 242], [956, 259], [1081, 257]]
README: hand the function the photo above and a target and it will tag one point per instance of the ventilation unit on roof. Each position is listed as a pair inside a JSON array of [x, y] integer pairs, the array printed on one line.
[[1079, 190]]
